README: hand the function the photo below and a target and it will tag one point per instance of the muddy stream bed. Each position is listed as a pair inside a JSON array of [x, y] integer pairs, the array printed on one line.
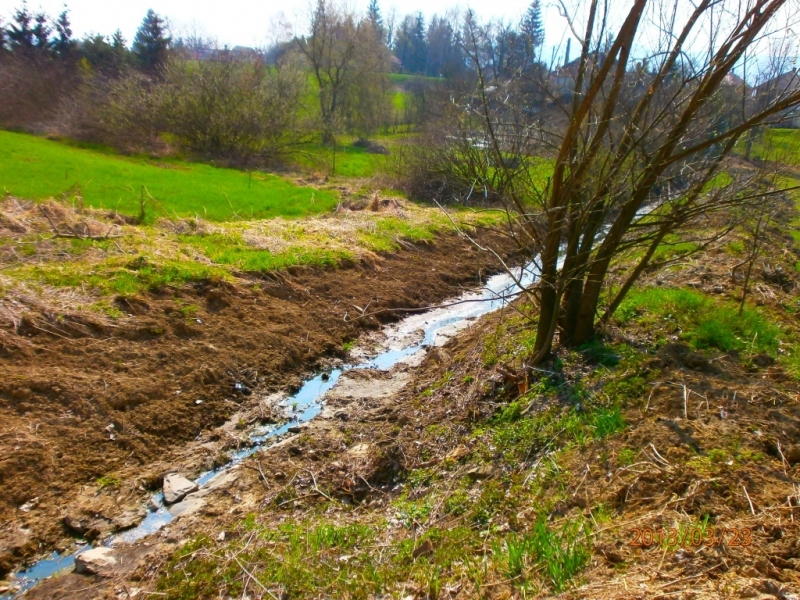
[[406, 341]]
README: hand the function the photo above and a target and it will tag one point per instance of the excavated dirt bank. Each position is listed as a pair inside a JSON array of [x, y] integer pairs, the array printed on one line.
[[91, 414]]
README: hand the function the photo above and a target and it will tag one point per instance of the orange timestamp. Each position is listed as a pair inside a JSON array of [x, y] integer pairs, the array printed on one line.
[[691, 536]]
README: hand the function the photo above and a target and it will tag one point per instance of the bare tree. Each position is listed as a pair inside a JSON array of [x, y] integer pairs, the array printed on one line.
[[345, 56], [640, 147]]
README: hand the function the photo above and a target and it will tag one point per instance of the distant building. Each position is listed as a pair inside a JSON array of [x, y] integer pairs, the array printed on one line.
[[777, 88]]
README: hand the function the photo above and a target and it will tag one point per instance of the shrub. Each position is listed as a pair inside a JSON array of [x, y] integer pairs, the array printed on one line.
[[233, 107]]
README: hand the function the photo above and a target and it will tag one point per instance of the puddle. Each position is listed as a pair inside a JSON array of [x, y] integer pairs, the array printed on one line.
[[403, 340]]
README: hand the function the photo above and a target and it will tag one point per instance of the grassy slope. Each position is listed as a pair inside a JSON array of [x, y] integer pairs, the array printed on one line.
[[36, 168], [172, 253], [239, 229]]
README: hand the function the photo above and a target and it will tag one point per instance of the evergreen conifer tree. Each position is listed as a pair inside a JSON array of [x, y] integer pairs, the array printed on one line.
[[41, 33], [63, 44], [120, 49], [532, 30], [20, 32], [375, 18], [151, 44], [419, 47]]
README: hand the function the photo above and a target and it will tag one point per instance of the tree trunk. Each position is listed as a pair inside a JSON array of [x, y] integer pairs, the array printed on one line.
[[548, 286]]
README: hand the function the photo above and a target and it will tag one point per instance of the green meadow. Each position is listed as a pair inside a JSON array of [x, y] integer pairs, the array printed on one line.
[[781, 145], [351, 161], [36, 168]]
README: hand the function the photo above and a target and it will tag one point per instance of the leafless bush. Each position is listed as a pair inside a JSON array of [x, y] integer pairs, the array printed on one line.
[[31, 90], [232, 107]]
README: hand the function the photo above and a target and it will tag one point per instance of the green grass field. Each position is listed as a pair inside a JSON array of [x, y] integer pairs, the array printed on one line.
[[36, 168], [781, 145], [351, 161]]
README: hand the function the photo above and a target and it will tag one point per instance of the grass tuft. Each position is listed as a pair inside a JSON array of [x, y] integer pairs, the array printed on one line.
[[703, 321]]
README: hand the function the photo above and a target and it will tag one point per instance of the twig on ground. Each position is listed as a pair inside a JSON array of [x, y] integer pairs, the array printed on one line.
[[750, 502], [685, 398], [253, 579], [316, 489]]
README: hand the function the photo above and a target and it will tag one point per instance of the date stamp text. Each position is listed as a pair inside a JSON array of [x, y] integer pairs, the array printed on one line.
[[691, 536]]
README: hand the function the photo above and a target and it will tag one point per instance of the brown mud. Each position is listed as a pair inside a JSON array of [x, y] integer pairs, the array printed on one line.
[[92, 415]]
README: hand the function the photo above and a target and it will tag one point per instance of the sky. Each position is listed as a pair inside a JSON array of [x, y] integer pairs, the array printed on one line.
[[250, 22]]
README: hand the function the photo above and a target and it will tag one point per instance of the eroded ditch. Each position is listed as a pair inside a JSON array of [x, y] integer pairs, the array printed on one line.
[[405, 341]]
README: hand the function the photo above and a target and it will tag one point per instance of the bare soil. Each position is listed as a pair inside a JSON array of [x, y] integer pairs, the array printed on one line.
[[92, 414]]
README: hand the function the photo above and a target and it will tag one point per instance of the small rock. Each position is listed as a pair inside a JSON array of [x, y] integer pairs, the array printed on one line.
[[176, 487], [95, 561], [189, 505], [295, 429], [341, 415], [29, 505], [221, 536], [718, 289], [242, 389], [127, 520]]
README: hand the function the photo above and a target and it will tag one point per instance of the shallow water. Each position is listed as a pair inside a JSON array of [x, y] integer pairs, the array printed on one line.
[[403, 341]]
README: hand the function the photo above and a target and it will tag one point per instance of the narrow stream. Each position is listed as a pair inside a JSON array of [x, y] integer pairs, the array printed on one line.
[[308, 401]]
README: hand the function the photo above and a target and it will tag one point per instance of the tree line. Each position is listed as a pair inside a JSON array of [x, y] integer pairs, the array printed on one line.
[[92, 87], [35, 35]]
